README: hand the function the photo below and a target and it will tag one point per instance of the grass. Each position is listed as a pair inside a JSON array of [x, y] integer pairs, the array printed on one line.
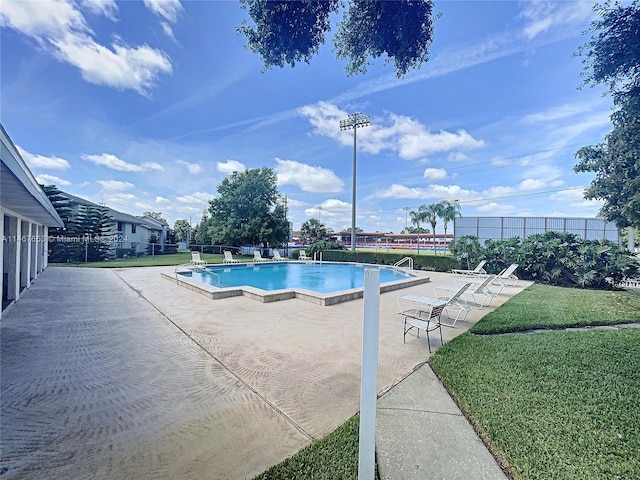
[[151, 261], [334, 457], [553, 405], [544, 306]]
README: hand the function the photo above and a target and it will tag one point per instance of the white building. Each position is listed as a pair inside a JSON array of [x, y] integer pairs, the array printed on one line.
[[26, 215], [129, 232]]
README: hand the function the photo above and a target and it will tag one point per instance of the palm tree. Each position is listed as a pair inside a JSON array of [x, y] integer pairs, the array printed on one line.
[[450, 210], [431, 214], [418, 216]]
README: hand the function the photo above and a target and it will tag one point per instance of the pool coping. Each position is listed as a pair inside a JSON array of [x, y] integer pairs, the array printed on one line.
[[264, 296]]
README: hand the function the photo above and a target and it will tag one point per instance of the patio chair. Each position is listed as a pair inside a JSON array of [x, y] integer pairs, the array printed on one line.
[[500, 281], [257, 258], [479, 270], [196, 261], [277, 257], [303, 256], [228, 258], [508, 275], [421, 316], [473, 290]]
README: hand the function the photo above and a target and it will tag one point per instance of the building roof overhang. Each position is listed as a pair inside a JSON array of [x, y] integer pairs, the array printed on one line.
[[19, 190]]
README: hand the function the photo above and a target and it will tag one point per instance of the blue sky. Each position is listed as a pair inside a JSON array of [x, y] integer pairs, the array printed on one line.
[[148, 105]]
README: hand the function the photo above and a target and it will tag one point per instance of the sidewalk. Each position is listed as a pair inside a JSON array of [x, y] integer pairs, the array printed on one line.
[[421, 434]]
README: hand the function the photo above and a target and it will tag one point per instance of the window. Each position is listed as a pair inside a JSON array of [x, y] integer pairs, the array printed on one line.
[[133, 228], [120, 226]]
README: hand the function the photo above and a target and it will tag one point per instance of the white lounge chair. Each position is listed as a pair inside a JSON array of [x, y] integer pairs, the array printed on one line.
[[473, 290], [500, 281], [303, 256], [257, 258], [479, 270], [508, 275], [228, 258], [196, 261], [277, 257]]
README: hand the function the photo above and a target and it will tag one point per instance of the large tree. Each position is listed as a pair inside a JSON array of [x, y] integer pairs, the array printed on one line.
[[612, 58], [182, 230], [312, 231], [248, 210], [287, 32]]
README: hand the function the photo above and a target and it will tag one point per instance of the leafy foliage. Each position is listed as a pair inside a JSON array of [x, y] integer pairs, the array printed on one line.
[[612, 57], [182, 230], [312, 231], [616, 164], [554, 258], [287, 32], [247, 211], [468, 251], [84, 236], [420, 262], [403, 30]]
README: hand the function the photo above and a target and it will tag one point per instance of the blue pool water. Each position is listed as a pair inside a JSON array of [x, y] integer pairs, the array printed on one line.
[[319, 277]]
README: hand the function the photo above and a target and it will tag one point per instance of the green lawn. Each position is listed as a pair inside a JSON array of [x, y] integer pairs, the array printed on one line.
[[557, 404], [152, 261], [552, 405]]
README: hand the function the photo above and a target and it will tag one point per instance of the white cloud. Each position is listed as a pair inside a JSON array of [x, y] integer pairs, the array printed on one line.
[[195, 197], [399, 134], [167, 9], [108, 8], [435, 174], [230, 166], [111, 161], [307, 177], [114, 184], [531, 184], [40, 161], [496, 209], [61, 29], [542, 16], [193, 168], [45, 179], [162, 200], [152, 166]]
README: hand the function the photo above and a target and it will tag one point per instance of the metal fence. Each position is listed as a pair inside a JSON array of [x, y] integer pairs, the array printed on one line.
[[503, 228]]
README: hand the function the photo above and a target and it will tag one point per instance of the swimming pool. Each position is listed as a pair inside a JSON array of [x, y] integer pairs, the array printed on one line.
[[323, 283], [319, 277]]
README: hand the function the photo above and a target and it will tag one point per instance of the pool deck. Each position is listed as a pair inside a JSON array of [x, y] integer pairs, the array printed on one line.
[[118, 373]]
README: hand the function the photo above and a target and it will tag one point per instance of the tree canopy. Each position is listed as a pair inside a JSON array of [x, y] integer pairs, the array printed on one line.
[[287, 32], [612, 57], [312, 231], [248, 210]]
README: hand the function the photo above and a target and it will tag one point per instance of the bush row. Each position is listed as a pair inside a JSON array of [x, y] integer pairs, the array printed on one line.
[[420, 262], [554, 258]]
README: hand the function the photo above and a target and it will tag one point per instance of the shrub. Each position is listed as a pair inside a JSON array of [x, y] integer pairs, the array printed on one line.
[[420, 262], [467, 251]]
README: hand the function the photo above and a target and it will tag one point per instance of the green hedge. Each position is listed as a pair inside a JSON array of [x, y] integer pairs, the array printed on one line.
[[420, 262]]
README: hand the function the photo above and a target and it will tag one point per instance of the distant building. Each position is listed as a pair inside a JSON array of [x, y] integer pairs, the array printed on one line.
[[131, 234], [503, 228], [26, 214]]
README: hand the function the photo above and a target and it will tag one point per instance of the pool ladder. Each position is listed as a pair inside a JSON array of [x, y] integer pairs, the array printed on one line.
[[404, 260]]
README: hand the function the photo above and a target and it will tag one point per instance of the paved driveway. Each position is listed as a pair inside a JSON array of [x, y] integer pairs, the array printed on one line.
[[121, 374]]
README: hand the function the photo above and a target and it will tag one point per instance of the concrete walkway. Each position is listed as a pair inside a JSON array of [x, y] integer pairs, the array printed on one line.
[[119, 374]]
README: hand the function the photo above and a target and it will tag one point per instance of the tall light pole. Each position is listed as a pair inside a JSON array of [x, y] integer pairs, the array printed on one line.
[[354, 121]]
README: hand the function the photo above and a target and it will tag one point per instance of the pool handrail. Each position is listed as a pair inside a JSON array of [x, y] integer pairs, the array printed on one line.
[[404, 260]]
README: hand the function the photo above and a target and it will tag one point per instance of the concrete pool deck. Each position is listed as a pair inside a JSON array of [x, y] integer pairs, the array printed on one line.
[[122, 374]]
